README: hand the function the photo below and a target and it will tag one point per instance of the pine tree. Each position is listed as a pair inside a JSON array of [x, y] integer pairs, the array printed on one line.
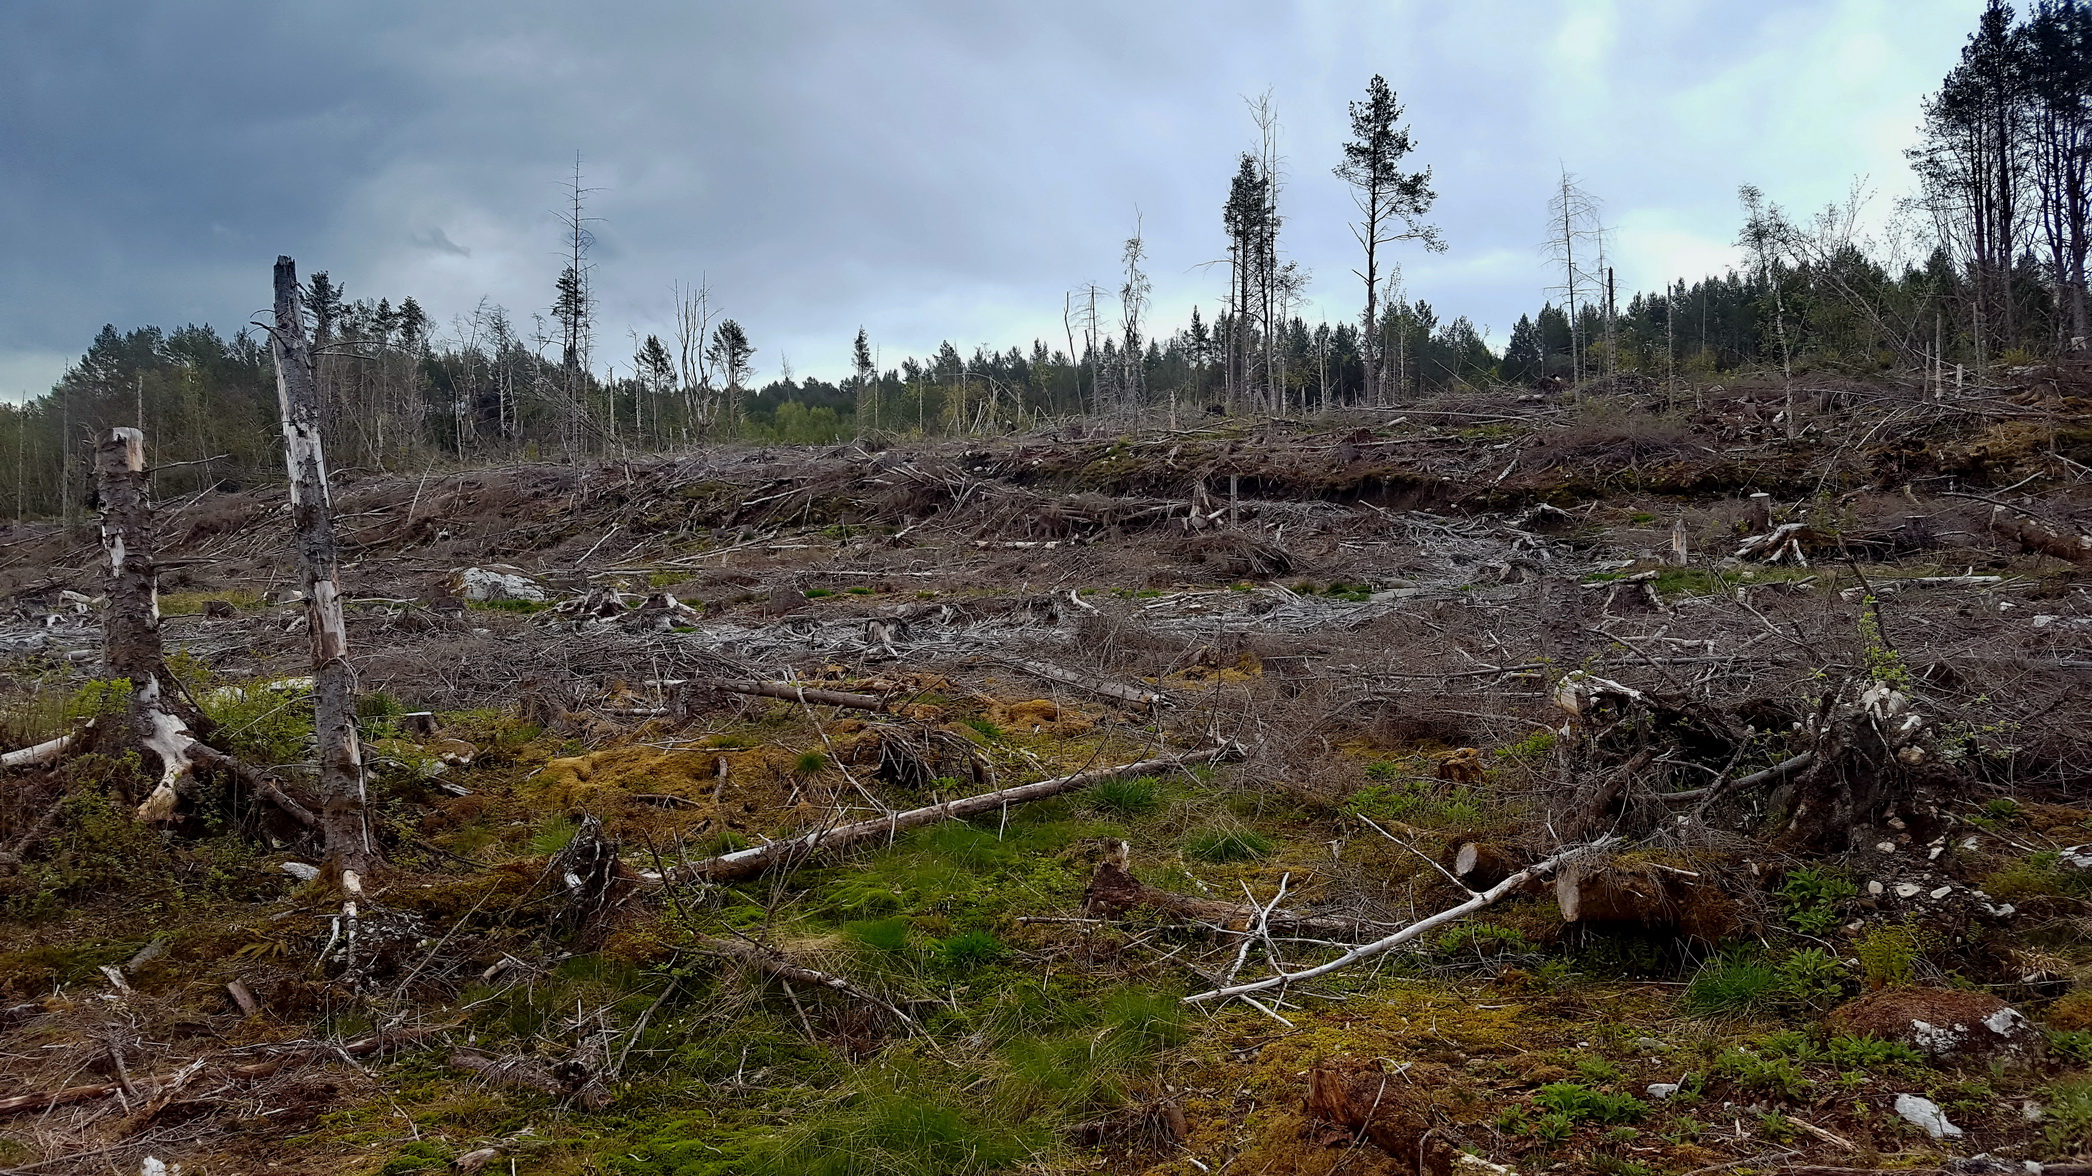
[[1391, 202]]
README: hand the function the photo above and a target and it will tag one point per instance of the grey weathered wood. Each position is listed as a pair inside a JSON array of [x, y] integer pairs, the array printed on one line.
[[131, 645], [748, 863], [344, 820]]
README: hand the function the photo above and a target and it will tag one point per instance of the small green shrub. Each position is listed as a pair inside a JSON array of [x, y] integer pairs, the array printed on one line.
[[2069, 1129], [984, 728], [1866, 1051], [1227, 845], [1811, 897], [2075, 1044], [810, 763], [1811, 978], [1582, 1104], [818, 593], [1133, 797], [860, 590], [1888, 955], [1764, 1075]]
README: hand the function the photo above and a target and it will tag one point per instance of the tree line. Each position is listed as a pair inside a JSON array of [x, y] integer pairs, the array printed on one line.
[[1987, 266]]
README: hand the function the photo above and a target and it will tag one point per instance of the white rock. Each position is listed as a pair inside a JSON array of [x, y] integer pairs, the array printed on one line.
[[2075, 857], [1925, 1115], [1886, 846], [1908, 889], [496, 583], [301, 871], [1942, 892], [1661, 1090], [1875, 888], [1480, 1167]]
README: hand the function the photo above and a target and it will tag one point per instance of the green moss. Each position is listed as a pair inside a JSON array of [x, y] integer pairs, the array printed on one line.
[[509, 606]]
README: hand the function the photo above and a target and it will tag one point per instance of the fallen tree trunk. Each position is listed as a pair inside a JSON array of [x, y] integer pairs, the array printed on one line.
[[1645, 894], [1097, 686], [2033, 536], [748, 863], [1475, 901], [47, 752]]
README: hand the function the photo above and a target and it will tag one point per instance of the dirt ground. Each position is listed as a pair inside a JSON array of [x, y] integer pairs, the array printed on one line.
[[1824, 720]]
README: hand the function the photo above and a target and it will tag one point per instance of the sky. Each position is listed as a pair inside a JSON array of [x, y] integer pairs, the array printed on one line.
[[929, 171]]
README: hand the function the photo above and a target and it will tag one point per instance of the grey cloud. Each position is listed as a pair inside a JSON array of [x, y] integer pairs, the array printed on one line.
[[942, 169], [439, 241]]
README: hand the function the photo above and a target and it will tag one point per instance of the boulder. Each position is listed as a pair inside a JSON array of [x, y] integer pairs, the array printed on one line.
[[1946, 1024], [499, 582]]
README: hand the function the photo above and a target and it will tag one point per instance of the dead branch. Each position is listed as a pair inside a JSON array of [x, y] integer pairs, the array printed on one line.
[[747, 863], [2034, 536], [1475, 901], [1114, 892], [168, 1083], [770, 963], [789, 691], [47, 752], [1097, 686]]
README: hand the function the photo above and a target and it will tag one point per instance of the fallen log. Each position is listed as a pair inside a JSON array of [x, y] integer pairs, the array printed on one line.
[[1479, 865], [2033, 536], [1644, 894], [43, 753], [748, 863], [1366, 951], [1097, 686]]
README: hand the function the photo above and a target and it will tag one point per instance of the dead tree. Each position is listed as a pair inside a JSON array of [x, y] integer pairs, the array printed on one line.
[[131, 646], [344, 818]]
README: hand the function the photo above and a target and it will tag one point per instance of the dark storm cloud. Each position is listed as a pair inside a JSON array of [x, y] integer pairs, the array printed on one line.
[[929, 171]]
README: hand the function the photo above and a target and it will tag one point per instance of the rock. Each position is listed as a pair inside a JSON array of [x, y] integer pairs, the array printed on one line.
[[1662, 1090], [1942, 892], [499, 582], [1908, 889], [300, 871], [1925, 1115], [2077, 858], [1947, 1024], [1875, 888], [219, 610]]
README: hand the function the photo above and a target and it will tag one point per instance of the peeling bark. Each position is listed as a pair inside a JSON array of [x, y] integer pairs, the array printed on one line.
[[131, 645], [344, 818]]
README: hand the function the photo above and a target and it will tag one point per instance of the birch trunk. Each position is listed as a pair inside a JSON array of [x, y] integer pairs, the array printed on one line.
[[344, 819], [131, 646]]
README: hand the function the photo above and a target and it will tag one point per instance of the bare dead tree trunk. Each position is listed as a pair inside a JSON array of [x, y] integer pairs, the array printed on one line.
[[344, 818], [131, 646]]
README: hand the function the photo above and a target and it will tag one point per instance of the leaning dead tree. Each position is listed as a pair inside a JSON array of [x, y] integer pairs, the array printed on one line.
[[344, 815]]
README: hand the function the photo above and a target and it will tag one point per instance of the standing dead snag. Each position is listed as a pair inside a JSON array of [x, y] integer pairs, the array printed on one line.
[[344, 819], [131, 646]]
